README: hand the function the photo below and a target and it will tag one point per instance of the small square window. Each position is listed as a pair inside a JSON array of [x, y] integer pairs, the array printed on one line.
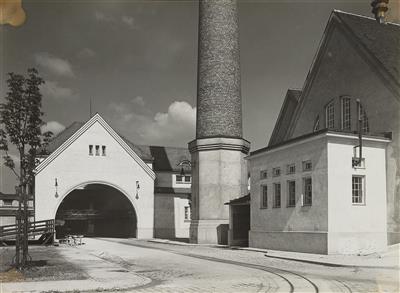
[[276, 172], [103, 150], [291, 169], [264, 196], [307, 165], [188, 179], [97, 150], [179, 179], [263, 174], [90, 150], [7, 202]]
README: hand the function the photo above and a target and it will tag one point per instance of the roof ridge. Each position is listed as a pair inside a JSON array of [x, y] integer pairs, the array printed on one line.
[[338, 11]]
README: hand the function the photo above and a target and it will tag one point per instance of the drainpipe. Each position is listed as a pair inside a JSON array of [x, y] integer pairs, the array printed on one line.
[[359, 132]]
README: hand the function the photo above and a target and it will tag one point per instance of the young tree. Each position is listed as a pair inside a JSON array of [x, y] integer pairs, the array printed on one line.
[[20, 125]]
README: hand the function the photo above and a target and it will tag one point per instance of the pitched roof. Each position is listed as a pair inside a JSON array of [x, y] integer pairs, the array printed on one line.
[[167, 158], [285, 116], [163, 158], [381, 40]]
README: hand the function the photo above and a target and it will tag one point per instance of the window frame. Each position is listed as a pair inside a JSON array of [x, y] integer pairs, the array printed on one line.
[[363, 193], [97, 150], [345, 113], [263, 174], [304, 165], [289, 204], [305, 197], [264, 197], [90, 150], [187, 215], [275, 205], [103, 151], [288, 169], [330, 117], [276, 174]]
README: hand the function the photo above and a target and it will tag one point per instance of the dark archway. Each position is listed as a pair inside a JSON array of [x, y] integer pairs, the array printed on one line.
[[96, 210]]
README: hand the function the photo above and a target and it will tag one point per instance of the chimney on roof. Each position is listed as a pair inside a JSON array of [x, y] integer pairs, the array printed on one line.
[[379, 8]]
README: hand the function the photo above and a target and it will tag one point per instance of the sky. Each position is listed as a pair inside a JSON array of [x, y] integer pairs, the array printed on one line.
[[136, 61]]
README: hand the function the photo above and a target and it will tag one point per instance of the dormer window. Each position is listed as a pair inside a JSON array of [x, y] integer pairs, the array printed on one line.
[[346, 116], [330, 115], [90, 150], [103, 150], [97, 150]]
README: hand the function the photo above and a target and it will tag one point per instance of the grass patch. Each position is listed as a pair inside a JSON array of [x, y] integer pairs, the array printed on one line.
[[47, 264]]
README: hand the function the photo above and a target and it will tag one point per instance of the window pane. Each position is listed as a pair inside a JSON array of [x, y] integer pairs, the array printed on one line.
[[264, 202], [291, 193], [277, 195], [307, 191], [346, 118], [330, 116], [357, 189]]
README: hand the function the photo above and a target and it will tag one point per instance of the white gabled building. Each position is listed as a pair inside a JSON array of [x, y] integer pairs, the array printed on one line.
[[306, 195], [95, 182]]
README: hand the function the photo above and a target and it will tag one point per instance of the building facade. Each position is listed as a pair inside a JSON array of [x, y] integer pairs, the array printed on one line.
[[307, 193], [95, 182]]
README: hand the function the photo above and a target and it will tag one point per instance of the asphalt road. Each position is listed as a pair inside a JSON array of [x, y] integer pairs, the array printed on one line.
[[186, 268]]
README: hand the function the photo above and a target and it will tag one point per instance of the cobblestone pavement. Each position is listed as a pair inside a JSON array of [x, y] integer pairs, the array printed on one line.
[[197, 268]]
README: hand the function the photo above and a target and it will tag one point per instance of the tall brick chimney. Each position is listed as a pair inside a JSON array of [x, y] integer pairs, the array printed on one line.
[[218, 166]]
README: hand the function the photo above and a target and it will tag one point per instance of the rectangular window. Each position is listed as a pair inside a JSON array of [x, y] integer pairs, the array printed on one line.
[[276, 172], [7, 202], [264, 196], [291, 200], [346, 116], [307, 191], [179, 179], [103, 150], [188, 179], [307, 165], [90, 150], [263, 174], [187, 213], [277, 195], [330, 116], [358, 195], [97, 150], [291, 169]]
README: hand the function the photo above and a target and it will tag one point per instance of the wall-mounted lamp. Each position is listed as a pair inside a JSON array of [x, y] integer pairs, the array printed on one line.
[[137, 189], [56, 186]]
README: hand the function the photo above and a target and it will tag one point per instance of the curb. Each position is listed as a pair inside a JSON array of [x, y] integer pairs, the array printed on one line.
[[327, 264]]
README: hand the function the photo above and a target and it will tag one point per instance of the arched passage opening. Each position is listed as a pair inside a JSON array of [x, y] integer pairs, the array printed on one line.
[[96, 210]]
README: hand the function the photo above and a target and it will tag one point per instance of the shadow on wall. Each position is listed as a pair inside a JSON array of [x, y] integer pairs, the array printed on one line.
[[164, 216]]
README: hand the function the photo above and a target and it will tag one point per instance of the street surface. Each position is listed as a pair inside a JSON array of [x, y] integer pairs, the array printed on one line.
[[196, 268]]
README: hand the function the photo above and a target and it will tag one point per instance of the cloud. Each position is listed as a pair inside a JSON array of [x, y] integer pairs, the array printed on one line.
[[54, 64], [138, 101], [11, 12], [125, 20], [51, 89], [53, 126], [128, 20], [102, 17], [175, 127], [86, 53]]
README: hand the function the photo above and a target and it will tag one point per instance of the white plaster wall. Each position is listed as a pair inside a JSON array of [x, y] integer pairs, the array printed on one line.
[[181, 225], [298, 218], [300, 228], [356, 228], [74, 167]]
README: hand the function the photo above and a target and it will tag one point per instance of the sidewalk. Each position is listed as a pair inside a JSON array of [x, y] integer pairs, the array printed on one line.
[[388, 260], [102, 274]]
